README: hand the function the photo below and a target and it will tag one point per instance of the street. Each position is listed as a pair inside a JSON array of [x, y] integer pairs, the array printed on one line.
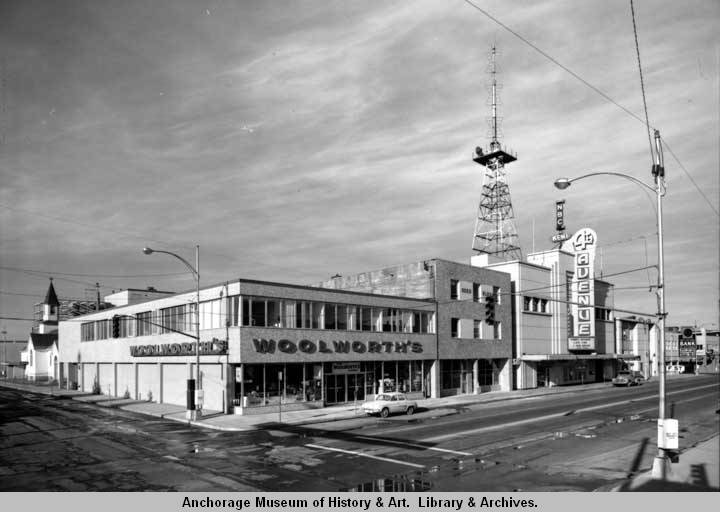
[[585, 440]]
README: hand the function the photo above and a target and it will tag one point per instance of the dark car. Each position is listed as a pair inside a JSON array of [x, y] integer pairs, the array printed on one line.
[[628, 378]]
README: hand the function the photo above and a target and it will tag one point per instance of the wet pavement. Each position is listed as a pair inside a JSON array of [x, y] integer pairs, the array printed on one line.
[[95, 443]]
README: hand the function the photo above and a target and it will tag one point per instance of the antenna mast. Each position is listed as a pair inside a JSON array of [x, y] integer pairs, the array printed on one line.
[[495, 231]]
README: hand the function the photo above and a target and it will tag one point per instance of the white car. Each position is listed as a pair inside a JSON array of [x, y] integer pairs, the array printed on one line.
[[386, 403]]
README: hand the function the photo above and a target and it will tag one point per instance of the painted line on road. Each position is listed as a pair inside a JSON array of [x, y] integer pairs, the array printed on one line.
[[360, 454], [548, 416], [403, 443]]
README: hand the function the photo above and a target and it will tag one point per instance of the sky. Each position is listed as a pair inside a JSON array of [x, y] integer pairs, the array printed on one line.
[[297, 140]]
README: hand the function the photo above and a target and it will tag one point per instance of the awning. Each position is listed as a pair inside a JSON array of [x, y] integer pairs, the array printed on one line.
[[575, 357]]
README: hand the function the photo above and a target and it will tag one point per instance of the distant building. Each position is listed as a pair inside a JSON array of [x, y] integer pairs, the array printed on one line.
[[637, 342], [41, 352], [11, 365]]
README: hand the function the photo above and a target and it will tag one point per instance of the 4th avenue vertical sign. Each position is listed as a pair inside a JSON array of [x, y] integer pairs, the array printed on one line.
[[583, 244]]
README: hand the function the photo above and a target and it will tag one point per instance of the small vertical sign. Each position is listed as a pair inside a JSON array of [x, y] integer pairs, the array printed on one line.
[[560, 215]]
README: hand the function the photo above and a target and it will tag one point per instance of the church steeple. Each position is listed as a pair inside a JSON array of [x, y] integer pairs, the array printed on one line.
[[51, 297], [50, 311]]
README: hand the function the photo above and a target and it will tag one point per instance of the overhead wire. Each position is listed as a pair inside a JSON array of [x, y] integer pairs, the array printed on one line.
[[597, 90]]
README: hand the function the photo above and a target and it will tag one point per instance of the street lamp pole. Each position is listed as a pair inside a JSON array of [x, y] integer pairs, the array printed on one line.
[[4, 361], [661, 461], [194, 413]]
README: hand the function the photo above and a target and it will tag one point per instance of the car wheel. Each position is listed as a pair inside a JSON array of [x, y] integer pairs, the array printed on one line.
[[410, 410], [385, 412]]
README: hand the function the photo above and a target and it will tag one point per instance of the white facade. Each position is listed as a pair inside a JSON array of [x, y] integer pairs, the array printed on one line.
[[542, 296]]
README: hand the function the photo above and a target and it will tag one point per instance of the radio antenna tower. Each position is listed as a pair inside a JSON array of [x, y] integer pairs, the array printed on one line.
[[495, 231]]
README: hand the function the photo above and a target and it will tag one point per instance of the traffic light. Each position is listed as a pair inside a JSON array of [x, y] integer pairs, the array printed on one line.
[[490, 308], [116, 326]]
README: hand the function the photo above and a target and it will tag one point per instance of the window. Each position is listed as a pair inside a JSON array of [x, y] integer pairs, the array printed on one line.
[[257, 312], [376, 320], [177, 318], [496, 294], [366, 319], [477, 329], [289, 318], [454, 327], [317, 315], [341, 319], [353, 317], [144, 327], [87, 331], [233, 309], [536, 305], [497, 330], [453, 289], [330, 317], [476, 292], [274, 308], [245, 311], [102, 329]]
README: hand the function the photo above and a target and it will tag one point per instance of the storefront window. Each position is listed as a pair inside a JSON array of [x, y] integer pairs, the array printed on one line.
[[451, 372], [416, 376], [403, 373], [485, 373]]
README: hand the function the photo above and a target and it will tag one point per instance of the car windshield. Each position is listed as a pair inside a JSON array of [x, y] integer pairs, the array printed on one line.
[[383, 398]]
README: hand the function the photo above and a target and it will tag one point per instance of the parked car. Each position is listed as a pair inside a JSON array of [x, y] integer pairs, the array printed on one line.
[[387, 403], [628, 378]]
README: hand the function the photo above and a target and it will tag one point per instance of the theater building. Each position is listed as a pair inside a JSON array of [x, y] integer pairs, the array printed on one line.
[[563, 317], [262, 342]]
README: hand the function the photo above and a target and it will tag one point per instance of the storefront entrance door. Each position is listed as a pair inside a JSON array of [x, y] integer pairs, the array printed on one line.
[[342, 388], [356, 387]]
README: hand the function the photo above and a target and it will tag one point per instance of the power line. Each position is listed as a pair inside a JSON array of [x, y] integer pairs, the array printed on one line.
[[109, 276], [642, 82], [691, 178], [598, 91], [555, 61]]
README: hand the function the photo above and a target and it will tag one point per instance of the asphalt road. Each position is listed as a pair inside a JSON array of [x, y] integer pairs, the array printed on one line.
[[585, 440]]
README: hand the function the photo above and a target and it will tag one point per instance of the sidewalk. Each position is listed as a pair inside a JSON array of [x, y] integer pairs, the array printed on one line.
[[236, 422], [697, 470]]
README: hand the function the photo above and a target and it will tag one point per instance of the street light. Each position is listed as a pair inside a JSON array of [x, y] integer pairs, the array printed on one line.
[[193, 413], [660, 463]]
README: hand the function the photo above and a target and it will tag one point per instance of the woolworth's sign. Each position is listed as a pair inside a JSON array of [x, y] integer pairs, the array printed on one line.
[[213, 347], [269, 346]]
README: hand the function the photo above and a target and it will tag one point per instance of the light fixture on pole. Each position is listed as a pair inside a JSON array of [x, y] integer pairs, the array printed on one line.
[[194, 389], [661, 461]]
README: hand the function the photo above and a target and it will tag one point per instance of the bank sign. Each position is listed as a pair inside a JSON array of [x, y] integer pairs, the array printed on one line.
[[583, 244]]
